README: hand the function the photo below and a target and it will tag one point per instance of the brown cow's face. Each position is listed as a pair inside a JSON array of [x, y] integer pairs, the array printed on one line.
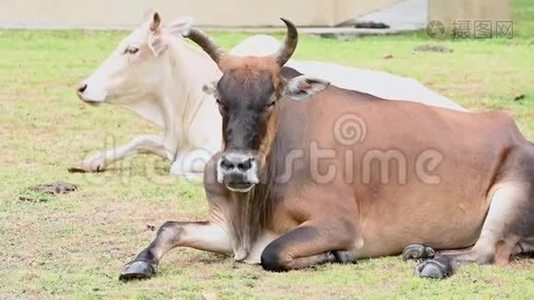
[[248, 102], [248, 95]]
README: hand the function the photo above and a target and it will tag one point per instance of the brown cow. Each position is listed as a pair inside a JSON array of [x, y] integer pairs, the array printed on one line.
[[294, 187]]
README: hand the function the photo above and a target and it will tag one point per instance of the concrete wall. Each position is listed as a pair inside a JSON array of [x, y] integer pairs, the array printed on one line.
[[224, 13], [449, 10]]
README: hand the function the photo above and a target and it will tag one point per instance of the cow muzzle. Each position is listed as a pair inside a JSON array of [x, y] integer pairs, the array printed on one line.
[[238, 171], [89, 94]]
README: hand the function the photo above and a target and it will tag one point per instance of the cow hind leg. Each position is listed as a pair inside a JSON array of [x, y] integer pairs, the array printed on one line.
[[307, 246], [199, 235], [418, 252], [503, 228]]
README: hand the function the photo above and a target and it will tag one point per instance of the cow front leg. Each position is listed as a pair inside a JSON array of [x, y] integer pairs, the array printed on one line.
[[307, 246], [145, 143], [205, 236], [190, 165]]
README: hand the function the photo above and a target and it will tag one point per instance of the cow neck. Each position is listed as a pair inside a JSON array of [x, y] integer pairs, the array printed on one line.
[[191, 69], [253, 210], [250, 216]]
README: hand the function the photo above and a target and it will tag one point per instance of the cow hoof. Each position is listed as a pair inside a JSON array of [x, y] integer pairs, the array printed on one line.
[[434, 269], [344, 257], [77, 169], [137, 270], [418, 251], [83, 168], [96, 163]]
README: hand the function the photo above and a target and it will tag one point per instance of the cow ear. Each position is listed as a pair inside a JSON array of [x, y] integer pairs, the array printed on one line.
[[302, 87], [154, 22], [210, 88], [180, 26], [156, 43]]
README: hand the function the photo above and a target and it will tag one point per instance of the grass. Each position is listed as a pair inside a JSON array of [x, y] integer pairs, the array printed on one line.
[[72, 246]]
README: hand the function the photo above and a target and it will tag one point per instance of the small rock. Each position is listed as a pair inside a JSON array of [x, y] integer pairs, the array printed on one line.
[[46, 192], [150, 227], [54, 188], [387, 56], [520, 97]]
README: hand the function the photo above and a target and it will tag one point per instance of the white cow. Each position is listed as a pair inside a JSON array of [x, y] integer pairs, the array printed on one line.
[[158, 75]]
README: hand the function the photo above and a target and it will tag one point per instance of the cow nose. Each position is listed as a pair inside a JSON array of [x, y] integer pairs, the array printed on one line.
[[82, 88], [238, 171], [240, 163]]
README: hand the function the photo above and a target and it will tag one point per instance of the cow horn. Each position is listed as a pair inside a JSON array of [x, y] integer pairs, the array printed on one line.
[[207, 44], [290, 44]]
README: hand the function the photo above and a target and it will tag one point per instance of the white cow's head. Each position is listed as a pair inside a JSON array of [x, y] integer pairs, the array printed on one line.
[[135, 69]]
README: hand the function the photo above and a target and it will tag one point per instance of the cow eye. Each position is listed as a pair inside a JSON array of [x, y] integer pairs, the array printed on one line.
[[131, 50], [270, 104], [219, 103]]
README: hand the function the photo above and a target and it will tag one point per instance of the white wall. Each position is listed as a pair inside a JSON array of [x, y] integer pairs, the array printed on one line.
[[225, 13]]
